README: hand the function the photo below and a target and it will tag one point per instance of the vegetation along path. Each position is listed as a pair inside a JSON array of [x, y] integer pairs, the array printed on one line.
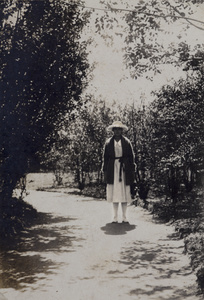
[[77, 253]]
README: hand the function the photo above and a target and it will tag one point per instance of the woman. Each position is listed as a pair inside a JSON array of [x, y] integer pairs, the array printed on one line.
[[119, 169]]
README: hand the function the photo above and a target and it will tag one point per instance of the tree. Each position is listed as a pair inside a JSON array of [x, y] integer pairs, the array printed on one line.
[[43, 72], [149, 24], [144, 28], [79, 148], [177, 135]]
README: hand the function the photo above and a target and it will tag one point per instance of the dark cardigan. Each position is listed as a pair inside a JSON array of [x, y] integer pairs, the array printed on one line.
[[127, 161]]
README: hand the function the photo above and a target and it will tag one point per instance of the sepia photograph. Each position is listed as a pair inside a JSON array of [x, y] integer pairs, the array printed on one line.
[[101, 149]]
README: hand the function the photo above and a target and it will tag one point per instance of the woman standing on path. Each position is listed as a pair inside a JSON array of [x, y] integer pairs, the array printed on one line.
[[119, 169]]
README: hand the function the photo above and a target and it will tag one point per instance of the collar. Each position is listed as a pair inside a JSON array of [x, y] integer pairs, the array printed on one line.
[[119, 143]]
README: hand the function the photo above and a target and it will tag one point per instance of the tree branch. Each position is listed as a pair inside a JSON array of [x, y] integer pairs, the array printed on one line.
[[187, 19]]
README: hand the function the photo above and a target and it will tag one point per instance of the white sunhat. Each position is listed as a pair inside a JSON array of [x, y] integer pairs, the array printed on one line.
[[117, 124]]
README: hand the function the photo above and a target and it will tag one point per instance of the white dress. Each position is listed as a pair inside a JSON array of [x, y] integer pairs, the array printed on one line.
[[118, 191]]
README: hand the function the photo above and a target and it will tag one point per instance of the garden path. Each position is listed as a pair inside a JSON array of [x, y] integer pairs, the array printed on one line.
[[79, 254]]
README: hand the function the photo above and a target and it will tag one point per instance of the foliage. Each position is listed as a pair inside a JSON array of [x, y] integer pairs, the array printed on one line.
[[194, 245], [187, 217], [95, 190], [143, 29], [79, 147], [43, 72], [177, 135], [15, 216], [147, 47], [187, 209]]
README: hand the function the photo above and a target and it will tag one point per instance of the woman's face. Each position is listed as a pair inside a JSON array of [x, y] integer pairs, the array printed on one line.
[[117, 132]]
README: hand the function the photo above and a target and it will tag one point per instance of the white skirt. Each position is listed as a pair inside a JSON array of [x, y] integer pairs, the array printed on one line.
[[119, 191]]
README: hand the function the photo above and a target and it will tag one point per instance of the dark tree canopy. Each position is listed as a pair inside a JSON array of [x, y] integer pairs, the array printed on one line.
[[43, 72]]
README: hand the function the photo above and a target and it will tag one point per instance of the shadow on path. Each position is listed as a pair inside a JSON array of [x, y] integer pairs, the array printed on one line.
[[26, 259], [117, 228], [161, 263]]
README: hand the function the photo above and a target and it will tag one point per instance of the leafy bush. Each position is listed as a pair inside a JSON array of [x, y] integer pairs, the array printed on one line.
[[15, 216], [194, 245], [95, 190], [187, 217]]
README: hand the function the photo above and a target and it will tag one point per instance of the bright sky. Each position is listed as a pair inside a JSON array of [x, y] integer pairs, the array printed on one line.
[[111, 80]]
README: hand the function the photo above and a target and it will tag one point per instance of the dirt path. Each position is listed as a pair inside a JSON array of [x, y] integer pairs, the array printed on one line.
[[81, 255]]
